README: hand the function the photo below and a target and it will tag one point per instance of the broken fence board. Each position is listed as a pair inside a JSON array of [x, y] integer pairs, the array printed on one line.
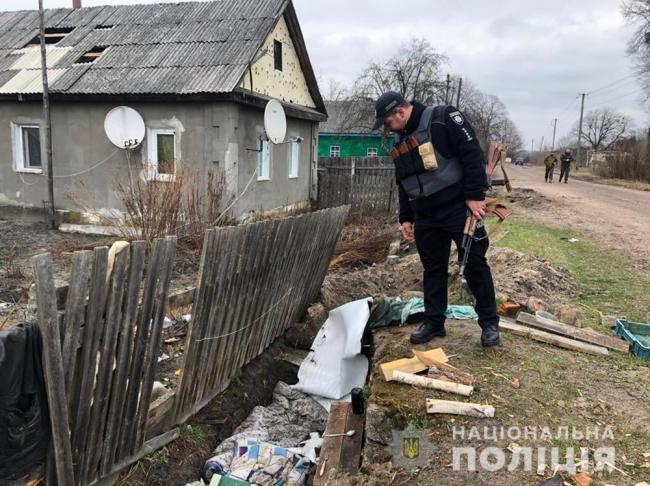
[[54, 374], [459, 408], [546, 337], [581, 334]]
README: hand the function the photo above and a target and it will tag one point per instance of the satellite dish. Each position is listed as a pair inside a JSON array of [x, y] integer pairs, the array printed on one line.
[[275, 121], [124, 127]]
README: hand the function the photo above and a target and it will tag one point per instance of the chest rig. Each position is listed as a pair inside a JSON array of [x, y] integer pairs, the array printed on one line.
[[419, 167]]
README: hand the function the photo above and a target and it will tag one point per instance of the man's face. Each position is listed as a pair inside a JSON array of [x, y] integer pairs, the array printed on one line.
[[396, 120]]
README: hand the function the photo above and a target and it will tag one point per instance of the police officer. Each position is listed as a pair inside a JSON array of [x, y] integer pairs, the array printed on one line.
[[440, 170], [565, 166], [549, 162]]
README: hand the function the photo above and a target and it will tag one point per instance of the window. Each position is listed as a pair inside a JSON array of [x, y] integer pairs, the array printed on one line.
[[371, 152], [53, 35], [162, 154], [294, 159], [335, 151], [264, 162], [277, 55], [91, 55], [27, 148]]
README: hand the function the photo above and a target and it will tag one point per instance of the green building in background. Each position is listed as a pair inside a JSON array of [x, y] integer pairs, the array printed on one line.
[[331, 144]]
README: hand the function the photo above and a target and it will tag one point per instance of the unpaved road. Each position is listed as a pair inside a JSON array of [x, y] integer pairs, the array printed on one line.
[[615, 216]]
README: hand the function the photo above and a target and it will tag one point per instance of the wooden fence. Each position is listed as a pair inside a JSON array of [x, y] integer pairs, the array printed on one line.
[[100, 365], [256, 280], [367, 184]]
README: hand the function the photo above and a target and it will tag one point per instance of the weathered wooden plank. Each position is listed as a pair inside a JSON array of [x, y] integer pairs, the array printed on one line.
[[127, 431], [105, 373], [151, 356], [330, 452], [54, 375], [351, 448], [547, 337], [585, 335], [123, 362], [74, 312], [93, 332]]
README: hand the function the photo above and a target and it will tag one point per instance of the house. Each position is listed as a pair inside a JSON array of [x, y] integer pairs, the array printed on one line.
[[347, 131], [198, 73]]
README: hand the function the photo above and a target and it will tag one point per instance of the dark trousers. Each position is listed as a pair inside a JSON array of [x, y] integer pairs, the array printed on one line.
[[434, 244], [564, 172], [548, 176]]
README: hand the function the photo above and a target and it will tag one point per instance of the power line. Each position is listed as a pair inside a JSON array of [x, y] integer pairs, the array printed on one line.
[[611, 84], [625, 85], [618, 98]]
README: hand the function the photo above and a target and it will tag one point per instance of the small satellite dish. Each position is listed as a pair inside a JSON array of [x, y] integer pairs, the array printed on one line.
[[275, 122], [124, 127]]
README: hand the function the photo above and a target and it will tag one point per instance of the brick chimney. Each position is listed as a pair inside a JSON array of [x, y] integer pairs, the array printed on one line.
[[76, 3]]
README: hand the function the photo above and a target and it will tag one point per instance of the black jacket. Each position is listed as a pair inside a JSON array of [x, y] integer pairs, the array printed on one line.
[[456, 139]]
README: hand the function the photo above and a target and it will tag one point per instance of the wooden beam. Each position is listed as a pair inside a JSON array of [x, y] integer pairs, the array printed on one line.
[[426, 382], [586, 335], [413, 365], [459, 408], [549, 338], [330, 452]]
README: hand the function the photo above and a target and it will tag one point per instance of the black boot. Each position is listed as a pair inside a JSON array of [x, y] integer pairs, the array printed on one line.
[[426, 332], [490, 336]]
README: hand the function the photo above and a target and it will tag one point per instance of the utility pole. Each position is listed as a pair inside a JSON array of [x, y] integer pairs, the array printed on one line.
[[447, 90], [532, 143], [541, 145], [460, 86], [582, 111], [554, 128], [46, 138]]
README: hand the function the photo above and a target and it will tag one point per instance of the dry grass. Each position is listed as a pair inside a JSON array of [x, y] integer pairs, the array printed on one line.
[[362, 245]]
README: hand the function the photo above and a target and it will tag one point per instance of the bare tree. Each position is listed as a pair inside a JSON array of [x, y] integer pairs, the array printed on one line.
[[414, 71], [638, 12], [603, 128]]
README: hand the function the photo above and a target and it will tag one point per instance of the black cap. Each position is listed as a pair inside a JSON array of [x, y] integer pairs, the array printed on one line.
[[384, 105]]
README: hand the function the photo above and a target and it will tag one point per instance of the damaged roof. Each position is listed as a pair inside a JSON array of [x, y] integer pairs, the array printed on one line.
[[156, 49]]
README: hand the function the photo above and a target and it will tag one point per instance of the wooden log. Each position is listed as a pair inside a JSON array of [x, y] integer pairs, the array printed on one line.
[[54, 374], [454, 375], [549, 338], [425, 382], [586, 335], [459, 408]]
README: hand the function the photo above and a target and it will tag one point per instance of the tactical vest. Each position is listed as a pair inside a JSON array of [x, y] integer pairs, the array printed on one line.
[[419, 167]]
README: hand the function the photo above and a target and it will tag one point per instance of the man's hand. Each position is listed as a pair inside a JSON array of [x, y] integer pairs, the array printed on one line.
[[477, 208], [407, 230]]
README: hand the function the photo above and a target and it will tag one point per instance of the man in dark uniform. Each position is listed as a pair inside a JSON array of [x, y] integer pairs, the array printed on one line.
[[565, 166], [550, 162], [440, 170]]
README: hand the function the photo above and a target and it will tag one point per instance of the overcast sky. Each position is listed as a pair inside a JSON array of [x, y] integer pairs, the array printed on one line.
[[536, 56]]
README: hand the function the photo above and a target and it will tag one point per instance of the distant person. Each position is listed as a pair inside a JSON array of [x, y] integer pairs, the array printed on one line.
[[566, 160], [440, 171], [549, 162]]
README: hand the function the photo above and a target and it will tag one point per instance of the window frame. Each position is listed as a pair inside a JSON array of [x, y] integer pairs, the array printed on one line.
[[152, 154], [376, 154], [293, 169], [264, 155], [277, 55], [19, 146], [338, 149]]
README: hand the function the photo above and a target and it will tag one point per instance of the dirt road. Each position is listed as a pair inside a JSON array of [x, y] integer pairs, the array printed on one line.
[[615, 216]]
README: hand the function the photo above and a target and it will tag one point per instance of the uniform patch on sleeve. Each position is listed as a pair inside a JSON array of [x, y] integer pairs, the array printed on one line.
[[457, 117]]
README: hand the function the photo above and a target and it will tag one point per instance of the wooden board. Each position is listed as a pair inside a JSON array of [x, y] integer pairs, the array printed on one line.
[[547, 337], [586, 335], [459, 408], [415, 364], [351, 447], [330, 452]]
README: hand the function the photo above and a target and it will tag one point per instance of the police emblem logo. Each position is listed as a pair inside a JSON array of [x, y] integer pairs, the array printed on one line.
[[457, 117], [411, 447]]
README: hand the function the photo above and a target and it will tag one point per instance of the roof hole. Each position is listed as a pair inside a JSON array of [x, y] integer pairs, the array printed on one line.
[[91, 55], [53, 35], [104, 27]]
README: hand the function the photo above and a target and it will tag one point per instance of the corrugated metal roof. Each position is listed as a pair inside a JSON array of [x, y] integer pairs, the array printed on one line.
[[191, 47]]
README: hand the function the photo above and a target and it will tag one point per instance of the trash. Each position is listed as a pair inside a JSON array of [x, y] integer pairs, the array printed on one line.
[[509, 308], [259, 463], [582, 479], [157, 390], [167, 323], [336, 365], [308, 450], [186, 317], [388, 310], [461, 312], [163, 357], [515, 383], [177, 372]]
